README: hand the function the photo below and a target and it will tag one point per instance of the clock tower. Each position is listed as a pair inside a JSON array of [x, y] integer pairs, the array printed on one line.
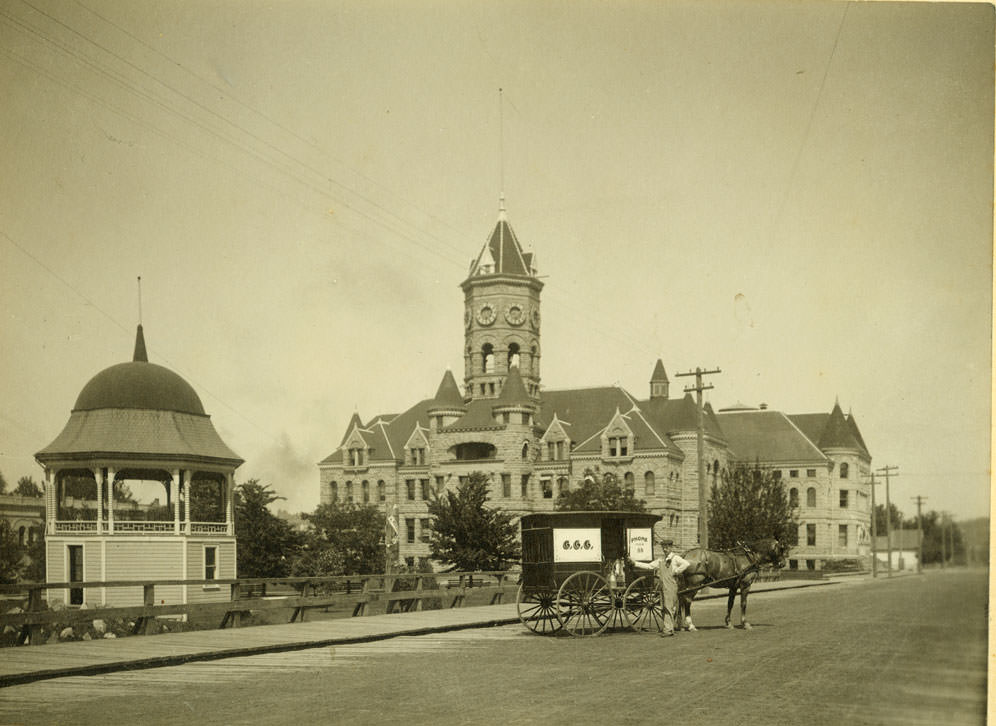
[[501, 316]]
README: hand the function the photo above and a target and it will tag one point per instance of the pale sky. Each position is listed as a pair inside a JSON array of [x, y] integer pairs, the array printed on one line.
[[797, 193]]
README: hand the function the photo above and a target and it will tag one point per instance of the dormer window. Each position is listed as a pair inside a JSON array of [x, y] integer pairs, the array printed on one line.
[[416, 457], [555, 450], [618, 446], [357, 457]]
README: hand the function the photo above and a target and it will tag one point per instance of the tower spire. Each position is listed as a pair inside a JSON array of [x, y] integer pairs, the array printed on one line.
[[501, 154]]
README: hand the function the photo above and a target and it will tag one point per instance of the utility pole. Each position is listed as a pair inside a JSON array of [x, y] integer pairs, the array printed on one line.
[[919, 529], [887, 470], [698, 388], [874, 534]]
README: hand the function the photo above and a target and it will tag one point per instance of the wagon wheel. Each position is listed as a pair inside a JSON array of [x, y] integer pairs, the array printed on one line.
[[538, 611], [643, 605], [584, 603]]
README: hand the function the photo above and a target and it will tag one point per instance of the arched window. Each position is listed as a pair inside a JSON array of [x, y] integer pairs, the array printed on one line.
[[349, 491], [525, 451], [629, 481], [649, 483], [365, 488], [715, 466], [844, 470], [793, 497], [381, 493], [513, 355], [334, 490], [811, 497], [562, 485], [487, 358], [20, 536]]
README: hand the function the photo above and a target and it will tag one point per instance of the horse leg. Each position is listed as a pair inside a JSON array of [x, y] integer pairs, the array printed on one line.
[[686, 605], [743, 608], [729, 605]]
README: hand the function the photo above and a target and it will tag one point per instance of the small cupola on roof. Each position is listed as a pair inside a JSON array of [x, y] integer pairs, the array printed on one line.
[[658, 381]]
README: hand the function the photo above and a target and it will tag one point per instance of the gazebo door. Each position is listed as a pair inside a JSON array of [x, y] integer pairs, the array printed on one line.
[[75, 556]]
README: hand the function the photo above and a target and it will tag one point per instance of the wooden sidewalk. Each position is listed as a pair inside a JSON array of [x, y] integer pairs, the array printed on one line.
[[25, 664]]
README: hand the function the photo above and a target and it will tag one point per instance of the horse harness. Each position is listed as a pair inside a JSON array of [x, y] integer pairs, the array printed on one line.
[[753, 566]]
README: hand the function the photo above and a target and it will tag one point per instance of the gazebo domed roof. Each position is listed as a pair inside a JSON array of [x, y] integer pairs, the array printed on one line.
[[139, 410], [139, 385]]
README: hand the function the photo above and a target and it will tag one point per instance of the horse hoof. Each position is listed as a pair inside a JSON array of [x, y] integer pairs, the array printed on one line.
[[747, 626], [729, 626], [691, 629]]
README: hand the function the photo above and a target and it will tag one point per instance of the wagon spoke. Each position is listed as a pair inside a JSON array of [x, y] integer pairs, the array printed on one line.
[[538, 611], [643, 605], [584, 604]]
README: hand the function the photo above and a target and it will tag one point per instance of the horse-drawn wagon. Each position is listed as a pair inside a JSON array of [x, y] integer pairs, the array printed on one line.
[[575, 574]]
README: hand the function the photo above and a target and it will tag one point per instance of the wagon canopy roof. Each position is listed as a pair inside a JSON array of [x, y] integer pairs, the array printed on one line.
[[551, 519]]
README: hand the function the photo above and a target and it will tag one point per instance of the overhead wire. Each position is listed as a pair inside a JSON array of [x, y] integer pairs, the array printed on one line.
[[566, 307], [565, 304]]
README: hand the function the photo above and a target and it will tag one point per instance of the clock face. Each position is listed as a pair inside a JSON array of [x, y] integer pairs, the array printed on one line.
[[515, 315], [536, 318], [486, 314]]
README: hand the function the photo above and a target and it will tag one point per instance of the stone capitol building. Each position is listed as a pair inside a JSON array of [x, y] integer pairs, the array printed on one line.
[[535, 442]]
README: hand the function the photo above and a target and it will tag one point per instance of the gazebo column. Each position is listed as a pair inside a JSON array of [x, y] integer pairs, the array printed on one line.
[[229, 495], [98, 478], [186, 502], [51, 502], [175, 491], [110, 500]]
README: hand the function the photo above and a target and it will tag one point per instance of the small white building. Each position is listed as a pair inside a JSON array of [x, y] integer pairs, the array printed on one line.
[[138, 486], [905, 546]]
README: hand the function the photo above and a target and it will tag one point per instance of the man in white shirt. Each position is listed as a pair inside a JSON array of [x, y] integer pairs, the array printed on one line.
[[668, 566]]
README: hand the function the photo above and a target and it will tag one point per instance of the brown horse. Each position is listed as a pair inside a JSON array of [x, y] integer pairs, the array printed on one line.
[[735, 569]]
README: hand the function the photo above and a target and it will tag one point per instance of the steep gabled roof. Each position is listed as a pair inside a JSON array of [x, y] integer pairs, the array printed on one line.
[[659, 375], [400, 427], [589, 411], [853, 425], [672, 415], [513, 391], [768, 437], [448, 394], [837, 433], [811, 424], [354, 422], [479, 416], [505, 252]]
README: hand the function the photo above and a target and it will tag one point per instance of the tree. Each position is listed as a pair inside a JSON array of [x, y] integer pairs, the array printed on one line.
[[355, 533], [266, 544], [895, 518], [940, 536], [747, 505], [11, 554], [600, 492], [26, 487], [468, 535], [34, 563], [3, 484]]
